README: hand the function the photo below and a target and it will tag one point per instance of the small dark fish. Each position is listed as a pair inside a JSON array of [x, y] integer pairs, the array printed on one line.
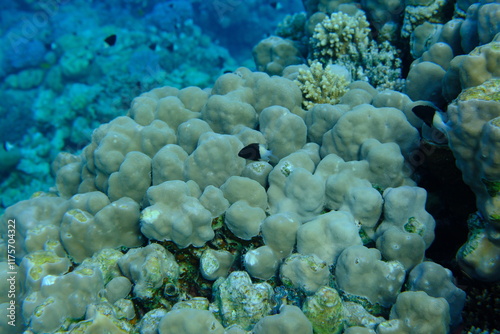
[[433, 117], [110, 40], [425, 113], [227, 71], [152, 46], [256, 152], [251, 152]]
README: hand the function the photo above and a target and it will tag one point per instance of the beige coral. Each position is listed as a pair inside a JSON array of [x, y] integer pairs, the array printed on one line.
[[339, 35], [322, 85]]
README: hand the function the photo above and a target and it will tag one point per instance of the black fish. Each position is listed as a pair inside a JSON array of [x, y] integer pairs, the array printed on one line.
[[110, 40], [251, 152], [425, 113]]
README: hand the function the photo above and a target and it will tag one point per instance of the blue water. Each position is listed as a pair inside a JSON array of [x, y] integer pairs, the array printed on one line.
[[61, 79]]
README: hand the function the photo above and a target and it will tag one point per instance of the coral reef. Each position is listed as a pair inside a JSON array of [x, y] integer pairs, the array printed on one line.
[[472, 137], [154, 221], [201, 214], [344, 39]]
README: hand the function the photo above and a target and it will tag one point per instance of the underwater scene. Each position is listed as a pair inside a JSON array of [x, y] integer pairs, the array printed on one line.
[[258, 167]]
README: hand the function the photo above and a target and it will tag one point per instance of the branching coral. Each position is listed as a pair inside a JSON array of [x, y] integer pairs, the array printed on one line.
[[344, 39], [292, 27], [419, 12], [339, 37], [381, 66], [322, 84]]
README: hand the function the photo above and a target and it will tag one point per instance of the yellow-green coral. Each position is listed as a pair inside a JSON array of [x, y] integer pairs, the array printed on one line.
[[325, 311], [321, 85], [79, 215], [38, 259], [488, 91]]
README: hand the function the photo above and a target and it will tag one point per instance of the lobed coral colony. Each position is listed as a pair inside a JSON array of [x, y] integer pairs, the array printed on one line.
[[317, 190]]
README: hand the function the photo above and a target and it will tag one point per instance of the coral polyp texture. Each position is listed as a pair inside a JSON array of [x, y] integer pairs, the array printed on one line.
[[155, 221]]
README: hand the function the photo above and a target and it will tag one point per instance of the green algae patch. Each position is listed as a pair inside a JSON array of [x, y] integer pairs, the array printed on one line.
[[487, 91]]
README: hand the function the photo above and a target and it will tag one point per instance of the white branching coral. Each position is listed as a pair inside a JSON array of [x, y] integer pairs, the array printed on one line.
[[322, 85], [340, 36], [422, 11], [380, 66], [345, 40]]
